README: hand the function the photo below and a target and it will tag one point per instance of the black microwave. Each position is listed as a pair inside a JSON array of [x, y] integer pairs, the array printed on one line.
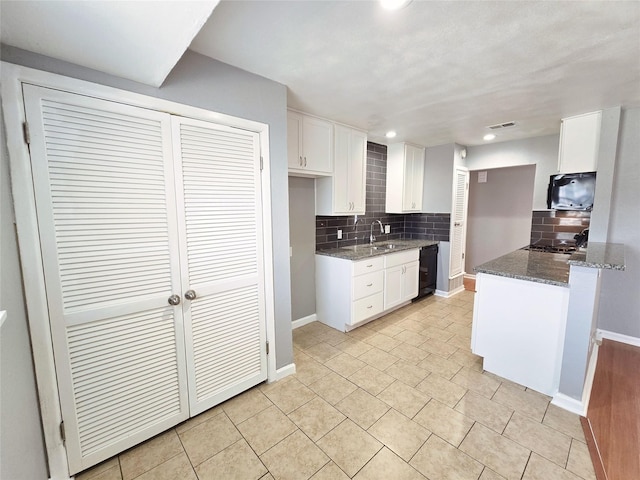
[[572, 191]]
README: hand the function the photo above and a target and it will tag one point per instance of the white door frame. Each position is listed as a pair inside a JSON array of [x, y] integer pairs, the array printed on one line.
[[13, 76]]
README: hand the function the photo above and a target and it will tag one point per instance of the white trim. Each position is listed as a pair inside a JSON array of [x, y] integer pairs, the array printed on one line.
[[567, 403], [470, 276], [617, 337], [588, 381], [283, 372], [13, 76], [580, 406], [451, 293], [301, 322]]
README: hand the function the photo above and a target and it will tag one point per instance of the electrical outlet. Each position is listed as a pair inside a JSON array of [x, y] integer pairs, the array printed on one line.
[[387, 229], [339, 234]]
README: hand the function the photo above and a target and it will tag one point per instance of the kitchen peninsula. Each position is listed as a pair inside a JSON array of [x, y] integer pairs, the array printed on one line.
[[534, 317]]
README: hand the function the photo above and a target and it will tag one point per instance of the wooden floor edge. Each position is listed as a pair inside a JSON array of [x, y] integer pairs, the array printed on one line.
[[594, 452]]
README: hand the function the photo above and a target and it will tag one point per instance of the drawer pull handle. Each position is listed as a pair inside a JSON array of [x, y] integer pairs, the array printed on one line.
[[369, 284], [369, 266], [370, 306]]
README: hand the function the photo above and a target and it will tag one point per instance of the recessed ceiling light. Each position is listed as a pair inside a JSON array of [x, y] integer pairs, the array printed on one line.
[[394, 4], [488, 137], [390, 134]]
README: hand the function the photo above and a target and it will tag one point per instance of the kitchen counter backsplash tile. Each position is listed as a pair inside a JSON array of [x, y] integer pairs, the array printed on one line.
[[557, 227], [417, 226]]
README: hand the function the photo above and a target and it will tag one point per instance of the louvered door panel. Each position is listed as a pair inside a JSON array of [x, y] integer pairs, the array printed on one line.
[[106, 215], [458, 222], [218, 179]]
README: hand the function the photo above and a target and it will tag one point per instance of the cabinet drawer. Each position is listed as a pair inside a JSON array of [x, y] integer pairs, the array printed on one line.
[[368, 265], [395, 259], [368, 284], [367, 307]]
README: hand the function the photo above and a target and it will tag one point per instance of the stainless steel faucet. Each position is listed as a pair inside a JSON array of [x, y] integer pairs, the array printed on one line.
[[371, 237]]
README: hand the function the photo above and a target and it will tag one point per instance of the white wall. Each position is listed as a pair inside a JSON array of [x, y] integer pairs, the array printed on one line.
[[539, 151], [619, 299], [22, 453], [302, 232], [499, 214]]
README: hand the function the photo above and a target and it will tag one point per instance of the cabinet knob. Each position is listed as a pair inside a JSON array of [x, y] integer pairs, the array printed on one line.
[[174, 300], [190, 295]]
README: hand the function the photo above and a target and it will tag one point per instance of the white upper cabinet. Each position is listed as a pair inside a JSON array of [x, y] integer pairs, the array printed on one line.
[[344, 192], [309, 145], [405, 171], [579, 143]]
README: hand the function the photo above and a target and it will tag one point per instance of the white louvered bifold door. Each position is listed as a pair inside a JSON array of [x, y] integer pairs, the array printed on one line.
[[219, 180], [458, 221], [105, 201]]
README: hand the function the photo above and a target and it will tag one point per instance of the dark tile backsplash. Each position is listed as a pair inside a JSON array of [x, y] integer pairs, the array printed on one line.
[[422, 226], [557, 226]]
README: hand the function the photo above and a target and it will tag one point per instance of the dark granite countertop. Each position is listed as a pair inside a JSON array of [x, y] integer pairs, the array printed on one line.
[[541, 267], [364, 251], [553, 268], [600, 255]]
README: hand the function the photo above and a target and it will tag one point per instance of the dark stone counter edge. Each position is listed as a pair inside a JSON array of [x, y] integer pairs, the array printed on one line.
[[522, 277], [365, 252], [608, 256]]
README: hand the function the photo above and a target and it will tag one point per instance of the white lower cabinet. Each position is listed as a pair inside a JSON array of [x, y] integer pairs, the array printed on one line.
[[400, 277], [349, 293], [519, 329]]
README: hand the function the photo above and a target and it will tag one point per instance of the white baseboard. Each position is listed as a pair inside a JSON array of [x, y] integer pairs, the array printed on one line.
[[588, 381], [470, 276], [304, 320], [617, 337], [284, 372], [442, 293], [567, 403]]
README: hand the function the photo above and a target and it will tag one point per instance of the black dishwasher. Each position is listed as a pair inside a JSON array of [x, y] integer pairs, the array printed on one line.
[[428, 271]]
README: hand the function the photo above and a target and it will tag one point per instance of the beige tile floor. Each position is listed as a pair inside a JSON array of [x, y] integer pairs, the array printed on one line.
[[400, 398]]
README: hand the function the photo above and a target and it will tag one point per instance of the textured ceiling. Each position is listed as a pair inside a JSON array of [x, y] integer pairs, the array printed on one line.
[[137, 40], [437, 72]]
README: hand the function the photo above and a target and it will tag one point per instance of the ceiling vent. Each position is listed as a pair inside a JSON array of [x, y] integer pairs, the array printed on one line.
[[502, 125]]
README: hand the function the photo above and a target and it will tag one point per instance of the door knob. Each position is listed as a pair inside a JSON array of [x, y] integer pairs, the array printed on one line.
[[190, 295], [174, 300]]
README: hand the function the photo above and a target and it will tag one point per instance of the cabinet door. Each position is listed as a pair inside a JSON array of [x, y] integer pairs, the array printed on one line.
[[417, 178], [220, 218], [106, 212], [413, 178], [294, 140], [579, 143], [393, 286], [358, 171], [317, 145], [342, 171], [410, 281]]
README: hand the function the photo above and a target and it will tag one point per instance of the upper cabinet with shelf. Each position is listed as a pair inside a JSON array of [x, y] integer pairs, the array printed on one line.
[[579, 143], [405, 172], [309, 145], [344, 192]]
